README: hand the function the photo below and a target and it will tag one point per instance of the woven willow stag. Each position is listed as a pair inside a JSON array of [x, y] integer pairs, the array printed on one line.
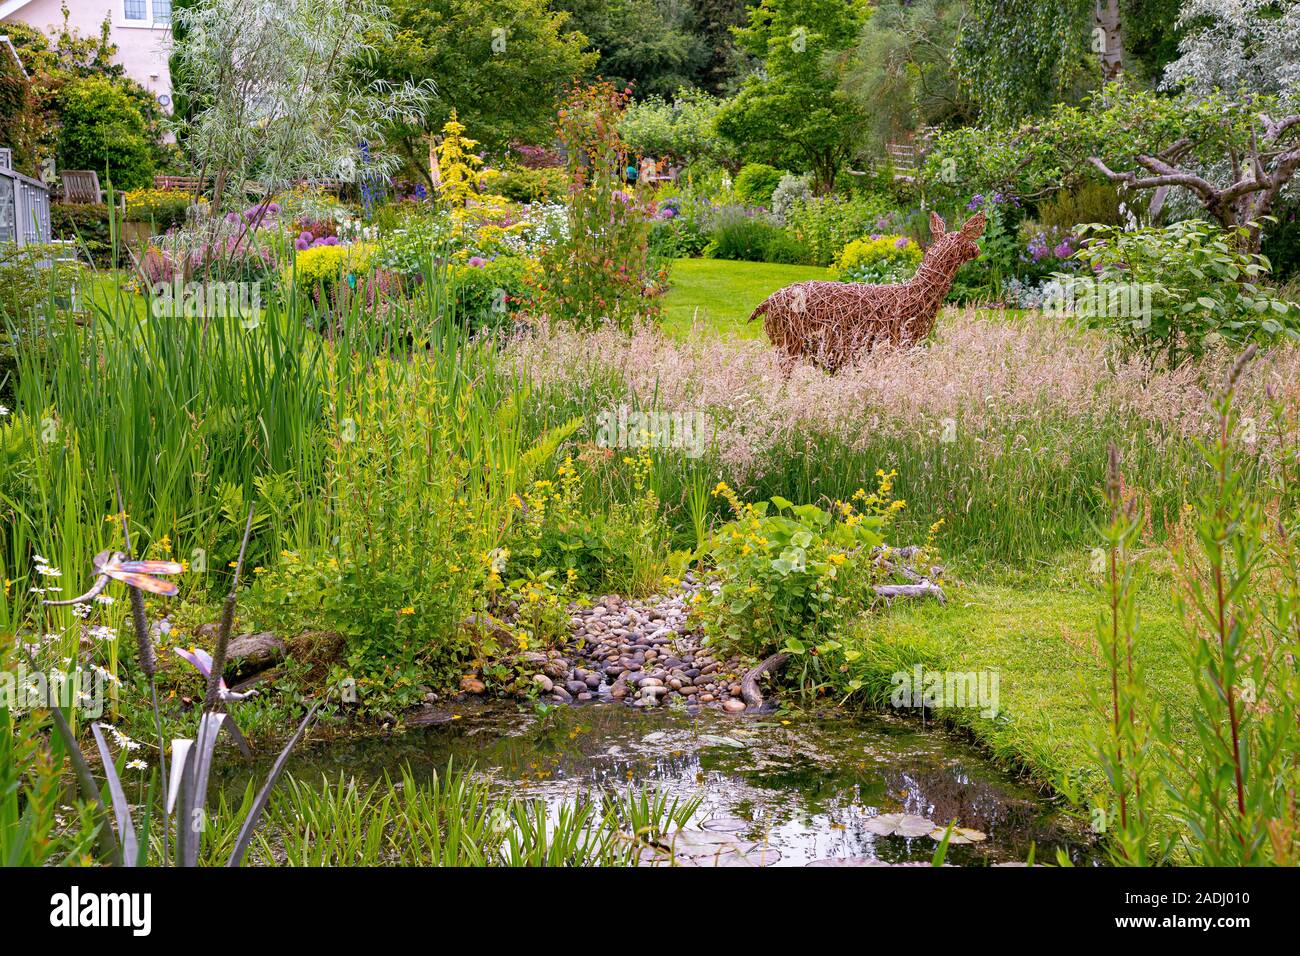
[[832, 323]]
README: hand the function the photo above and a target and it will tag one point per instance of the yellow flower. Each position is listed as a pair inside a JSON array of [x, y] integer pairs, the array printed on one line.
[[407, 610], [835, 559]]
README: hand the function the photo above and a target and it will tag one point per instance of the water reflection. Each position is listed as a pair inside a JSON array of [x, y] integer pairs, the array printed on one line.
[[804, 787]]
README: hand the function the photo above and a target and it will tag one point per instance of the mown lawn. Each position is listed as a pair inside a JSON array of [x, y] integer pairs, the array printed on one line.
[[720, 294], [1039, 636]]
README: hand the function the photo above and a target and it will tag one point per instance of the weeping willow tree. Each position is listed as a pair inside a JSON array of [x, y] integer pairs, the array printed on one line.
[[1018, 57]]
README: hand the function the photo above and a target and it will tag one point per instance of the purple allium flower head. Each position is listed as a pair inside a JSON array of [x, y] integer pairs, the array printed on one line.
[[300, 244], [305, 236], [478, 262], [901, 242]]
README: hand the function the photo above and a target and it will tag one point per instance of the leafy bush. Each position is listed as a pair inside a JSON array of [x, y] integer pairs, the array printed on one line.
[[26, 283], [319, 267], [416, 241], [162, 208], [756, 182], [1179, 290], [1090, 202], [87, 224], [789, 190], [738, 234], [683, 129], [791, 574], [826, 223], [601, 271], [619, 546], [545, 184], [102, 128], [878, 259], [488, 291]]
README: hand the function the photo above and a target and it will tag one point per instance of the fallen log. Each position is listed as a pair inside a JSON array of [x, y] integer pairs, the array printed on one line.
[[749, 691]]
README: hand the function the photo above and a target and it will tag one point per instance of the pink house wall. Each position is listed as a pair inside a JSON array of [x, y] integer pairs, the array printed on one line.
[[142, 48]]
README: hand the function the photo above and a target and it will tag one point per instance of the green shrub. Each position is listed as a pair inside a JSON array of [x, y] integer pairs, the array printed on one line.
[[1091, 202], [87, 224], [789, 190], [743, 237], [547, 184], [1178, 290], [756, 182], [878, 260], [488, 292], [103, 129], [160, 208], [29, 278], [783, 247], [790, 575], [826, 223]]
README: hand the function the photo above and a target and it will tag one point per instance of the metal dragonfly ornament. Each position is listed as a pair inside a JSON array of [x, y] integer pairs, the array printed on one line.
[[116, 566]]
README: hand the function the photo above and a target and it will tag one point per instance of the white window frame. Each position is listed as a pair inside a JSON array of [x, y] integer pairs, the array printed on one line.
[[148, 22]]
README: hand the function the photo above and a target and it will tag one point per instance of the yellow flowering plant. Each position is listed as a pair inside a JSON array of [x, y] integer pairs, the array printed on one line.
[[790, 575]]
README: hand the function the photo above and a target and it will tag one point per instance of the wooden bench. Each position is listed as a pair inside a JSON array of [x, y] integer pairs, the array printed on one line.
[[188, 184]]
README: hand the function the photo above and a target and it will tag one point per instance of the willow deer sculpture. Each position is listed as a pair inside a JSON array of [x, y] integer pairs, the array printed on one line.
[[832, 323]]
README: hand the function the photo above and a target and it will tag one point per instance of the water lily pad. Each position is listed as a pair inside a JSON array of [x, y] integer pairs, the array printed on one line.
[[726, 824], [898, 824], [959, 836], [719, 741], [656, 737]]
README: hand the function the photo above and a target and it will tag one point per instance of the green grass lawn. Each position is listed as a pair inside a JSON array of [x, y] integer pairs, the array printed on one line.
[[721, 294], [1039, 636]]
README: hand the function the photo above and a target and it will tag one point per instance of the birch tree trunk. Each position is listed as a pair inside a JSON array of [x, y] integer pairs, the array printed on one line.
[[1107, 38]]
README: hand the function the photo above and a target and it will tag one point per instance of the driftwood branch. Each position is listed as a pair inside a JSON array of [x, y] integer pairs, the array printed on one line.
[[749, 691]]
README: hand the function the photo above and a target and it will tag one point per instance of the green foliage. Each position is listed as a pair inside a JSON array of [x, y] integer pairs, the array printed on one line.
[[738, 234], [87, 224], [22, 121], [601, 270], [826, 224], [1088, 202], [901, 70], [487, 294], [790, 575], [756, 182], [29, 277], [455, 818], [653, 48], [878, 260], [160, 208], [1204, 290], [1228, 784], [793, 114], [601, 528], [682, 129], [1017, 57], [102, 129], [547, 184], [504, 94], [1036, 159]]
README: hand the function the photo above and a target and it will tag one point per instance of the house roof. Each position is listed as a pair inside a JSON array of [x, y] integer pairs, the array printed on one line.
[[11, 6]]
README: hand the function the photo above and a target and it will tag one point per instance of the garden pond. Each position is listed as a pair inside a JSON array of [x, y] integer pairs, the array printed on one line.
[[775, 789]]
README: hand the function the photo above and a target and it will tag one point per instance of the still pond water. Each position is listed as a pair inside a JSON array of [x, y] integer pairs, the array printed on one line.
[[802, 788]]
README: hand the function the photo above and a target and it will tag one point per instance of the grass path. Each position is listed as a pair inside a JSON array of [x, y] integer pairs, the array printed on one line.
[[721, 294], [1040, 639]]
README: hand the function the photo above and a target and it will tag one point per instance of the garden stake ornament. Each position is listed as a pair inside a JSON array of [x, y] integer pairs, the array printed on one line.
[[832, 323]]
